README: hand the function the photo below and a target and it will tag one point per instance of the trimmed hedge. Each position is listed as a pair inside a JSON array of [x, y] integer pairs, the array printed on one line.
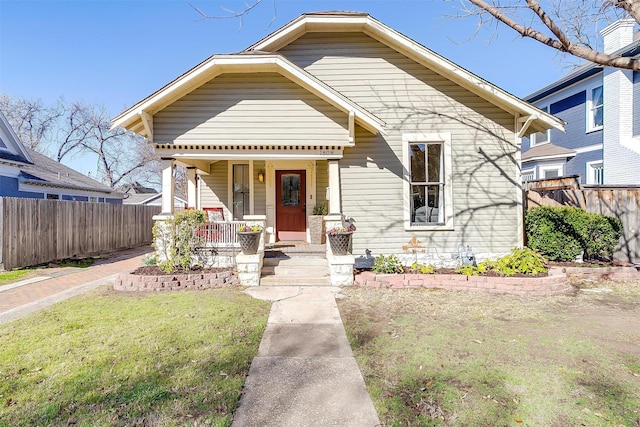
[[562, 233]]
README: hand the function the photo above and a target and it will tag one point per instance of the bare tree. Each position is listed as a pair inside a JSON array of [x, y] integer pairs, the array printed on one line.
[[30, 119], [69, 129], [122, 155], [565, 25], [568, 26]]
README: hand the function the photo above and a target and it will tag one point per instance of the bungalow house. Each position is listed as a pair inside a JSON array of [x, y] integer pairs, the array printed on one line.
[[29, 174], [338, 107], [601, 108]]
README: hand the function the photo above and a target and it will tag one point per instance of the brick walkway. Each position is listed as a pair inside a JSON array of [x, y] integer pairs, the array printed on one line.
[[28, 298]]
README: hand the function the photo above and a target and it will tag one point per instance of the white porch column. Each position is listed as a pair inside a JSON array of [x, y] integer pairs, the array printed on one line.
[[191, 188], [168, 187], [334, 187]]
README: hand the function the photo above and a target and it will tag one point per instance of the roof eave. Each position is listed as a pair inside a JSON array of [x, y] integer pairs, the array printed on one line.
[[131, 119]]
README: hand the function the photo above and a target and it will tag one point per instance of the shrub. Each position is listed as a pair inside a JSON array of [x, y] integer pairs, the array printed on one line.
[[387, 264], [177, 238], [422, 269], [519, 261], [563, 233]]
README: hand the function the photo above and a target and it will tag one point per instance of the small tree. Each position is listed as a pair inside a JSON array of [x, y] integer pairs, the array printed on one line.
[[177, 238]]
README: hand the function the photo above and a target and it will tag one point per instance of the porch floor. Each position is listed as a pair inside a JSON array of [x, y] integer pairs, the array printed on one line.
[[288, 249]]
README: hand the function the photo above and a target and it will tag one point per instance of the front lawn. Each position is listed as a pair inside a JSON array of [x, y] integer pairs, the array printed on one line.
[[107, 359], [8, 277], [447, 358]]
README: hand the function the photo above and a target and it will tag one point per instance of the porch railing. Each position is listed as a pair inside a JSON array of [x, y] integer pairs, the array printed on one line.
[[220, 234]]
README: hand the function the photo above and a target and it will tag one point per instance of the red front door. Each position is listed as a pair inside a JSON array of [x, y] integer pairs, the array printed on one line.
[[291, 207]]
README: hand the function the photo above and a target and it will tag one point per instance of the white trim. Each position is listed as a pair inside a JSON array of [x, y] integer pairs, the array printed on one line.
[[410, 48], [447, 208], [590, 127], [216, 65], [533, 137], [559, 167], [270, 191], [590, 169], [528, 171], [230, 165], [588, 148]]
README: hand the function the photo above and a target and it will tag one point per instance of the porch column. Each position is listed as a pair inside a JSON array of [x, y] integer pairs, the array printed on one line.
[[168, 187], [334, 187], [191, 188]]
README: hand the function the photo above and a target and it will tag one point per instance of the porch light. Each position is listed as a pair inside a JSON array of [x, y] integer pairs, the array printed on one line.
[[261, 176]]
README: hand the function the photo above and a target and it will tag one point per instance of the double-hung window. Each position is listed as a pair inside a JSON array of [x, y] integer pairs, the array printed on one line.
[[427, 187], [540, 137], [240, 190], [595, 111]]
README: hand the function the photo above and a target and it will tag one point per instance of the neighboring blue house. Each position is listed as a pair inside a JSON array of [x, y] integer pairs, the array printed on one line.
[[601, 108], [27, 173]]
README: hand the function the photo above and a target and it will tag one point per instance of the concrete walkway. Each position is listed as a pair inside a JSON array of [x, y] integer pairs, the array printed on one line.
[[18, 301], [305, 373]]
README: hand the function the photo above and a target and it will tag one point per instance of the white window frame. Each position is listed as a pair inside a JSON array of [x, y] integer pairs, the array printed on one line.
[[591, 171], [559, 167], [591, 127], [230, 185], [531, 171], [534, 136], [444, 138]]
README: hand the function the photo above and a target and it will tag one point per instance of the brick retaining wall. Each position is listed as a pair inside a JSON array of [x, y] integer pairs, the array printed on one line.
[[556, 284], [174, 282]]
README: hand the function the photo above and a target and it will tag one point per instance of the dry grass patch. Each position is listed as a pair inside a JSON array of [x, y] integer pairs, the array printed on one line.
[[473, 359]]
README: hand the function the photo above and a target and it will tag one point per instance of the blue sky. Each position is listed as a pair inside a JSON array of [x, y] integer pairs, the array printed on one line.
[[114, 53]]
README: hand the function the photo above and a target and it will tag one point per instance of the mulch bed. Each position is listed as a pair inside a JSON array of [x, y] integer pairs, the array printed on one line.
[[154, 270]]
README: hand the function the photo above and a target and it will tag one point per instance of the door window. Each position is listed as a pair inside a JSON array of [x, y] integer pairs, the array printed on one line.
[[290, 186]]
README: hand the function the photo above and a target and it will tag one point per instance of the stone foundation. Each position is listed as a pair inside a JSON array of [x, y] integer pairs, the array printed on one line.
[[175, 282], [556, 284]]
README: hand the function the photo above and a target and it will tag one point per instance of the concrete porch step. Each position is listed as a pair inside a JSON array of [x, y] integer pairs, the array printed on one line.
[[294, 281], [295, 271]]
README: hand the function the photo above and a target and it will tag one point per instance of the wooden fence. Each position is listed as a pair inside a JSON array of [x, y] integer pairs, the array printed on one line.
[[619, 202], [36, 231]]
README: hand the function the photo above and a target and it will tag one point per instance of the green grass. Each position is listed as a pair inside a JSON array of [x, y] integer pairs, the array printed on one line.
[[116, 359], [466, 359], [7, 277]]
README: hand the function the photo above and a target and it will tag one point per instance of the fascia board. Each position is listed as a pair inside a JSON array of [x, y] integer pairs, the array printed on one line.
[[130, 119]]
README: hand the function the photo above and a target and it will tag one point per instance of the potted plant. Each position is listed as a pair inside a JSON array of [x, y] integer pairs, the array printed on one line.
[[249, 238], [340, 238], [316, 224]]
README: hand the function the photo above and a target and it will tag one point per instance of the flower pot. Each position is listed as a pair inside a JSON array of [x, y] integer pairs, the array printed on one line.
[[340, 243], [249, 241]]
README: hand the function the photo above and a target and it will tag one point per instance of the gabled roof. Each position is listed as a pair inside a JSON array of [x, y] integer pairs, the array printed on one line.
[[582, 72], [547, 152], [362, 22], [47, 172], [144, 199], [11, 149], [134, 118]]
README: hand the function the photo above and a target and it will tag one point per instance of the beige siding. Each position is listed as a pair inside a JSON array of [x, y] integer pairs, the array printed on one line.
[[322, 181], [259, 189], [214, 189], [412, 99], [255, 109]]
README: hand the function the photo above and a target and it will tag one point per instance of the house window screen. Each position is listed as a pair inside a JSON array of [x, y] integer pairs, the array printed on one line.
[[240, 191], [427, 183], [290, 186]]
